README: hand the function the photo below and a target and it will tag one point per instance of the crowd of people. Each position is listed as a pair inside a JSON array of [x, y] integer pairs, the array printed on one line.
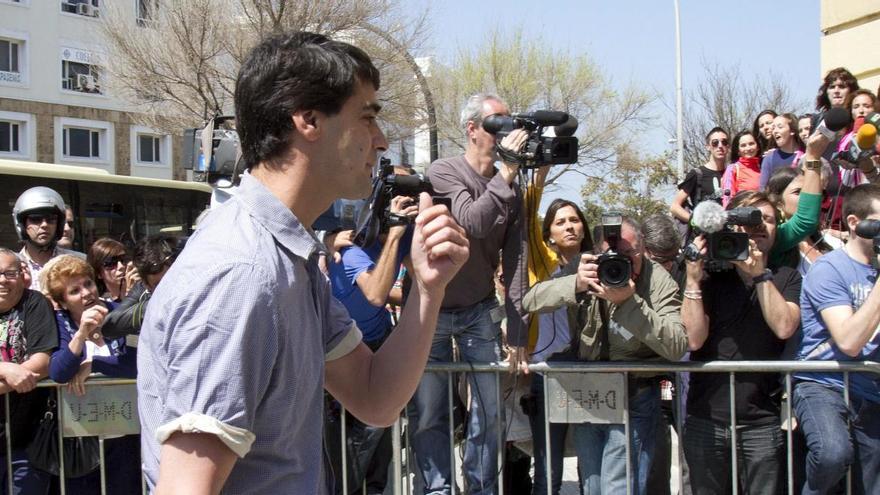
[[65, 315], [228, 393]]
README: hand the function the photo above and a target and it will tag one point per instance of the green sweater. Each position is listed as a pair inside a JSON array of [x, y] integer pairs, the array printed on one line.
[[804, 222]]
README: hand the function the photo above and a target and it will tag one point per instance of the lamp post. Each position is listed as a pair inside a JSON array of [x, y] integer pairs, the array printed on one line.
[[679, 102]]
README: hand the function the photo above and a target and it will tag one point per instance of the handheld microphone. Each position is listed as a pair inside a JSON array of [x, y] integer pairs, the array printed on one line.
[[832, 121], [863, 144]]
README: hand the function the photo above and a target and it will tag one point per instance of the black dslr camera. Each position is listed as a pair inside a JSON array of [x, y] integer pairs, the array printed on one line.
[[615, 269], [539, 150], [377, 216], [870, 229]]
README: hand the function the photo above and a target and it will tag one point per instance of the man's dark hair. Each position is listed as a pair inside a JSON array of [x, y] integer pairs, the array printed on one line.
[[154, 252], [713, 131], [859, 201], [289, 72]]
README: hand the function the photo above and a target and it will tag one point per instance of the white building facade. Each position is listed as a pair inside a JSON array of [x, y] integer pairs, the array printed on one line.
[[54, 106]]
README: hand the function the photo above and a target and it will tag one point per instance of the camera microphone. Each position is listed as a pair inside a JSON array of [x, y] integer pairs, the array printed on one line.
[[544, 117], [709, 217], [566, 129], [832, 121]]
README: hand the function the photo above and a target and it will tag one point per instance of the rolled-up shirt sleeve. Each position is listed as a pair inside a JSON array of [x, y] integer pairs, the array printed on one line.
[[222, 343]]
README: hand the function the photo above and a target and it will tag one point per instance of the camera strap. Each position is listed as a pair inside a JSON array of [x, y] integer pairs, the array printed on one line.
[[604, 350]]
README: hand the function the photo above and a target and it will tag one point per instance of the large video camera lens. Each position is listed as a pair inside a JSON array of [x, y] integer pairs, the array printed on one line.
[[615, 269], [728, 246]]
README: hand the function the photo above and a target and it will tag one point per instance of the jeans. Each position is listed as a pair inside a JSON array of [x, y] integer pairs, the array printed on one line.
[[601, 449], [26, 479], [759, 456], [557, 443], [833, 446], [478, 338]]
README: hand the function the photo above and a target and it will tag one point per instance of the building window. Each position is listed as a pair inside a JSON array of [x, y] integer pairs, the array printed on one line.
[[9, 137], [80, 77], [146, 12], [11, 64], [80, 142], [149, 148], [88, 8]]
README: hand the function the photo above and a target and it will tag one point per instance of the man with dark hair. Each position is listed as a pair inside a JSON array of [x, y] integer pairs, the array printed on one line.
[[841, 314], [703, 182], [741, 314], [152, 258], [27, 338], [243, 333], [487, 203]]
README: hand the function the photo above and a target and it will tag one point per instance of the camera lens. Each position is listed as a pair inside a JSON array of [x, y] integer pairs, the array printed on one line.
[[614, 270]]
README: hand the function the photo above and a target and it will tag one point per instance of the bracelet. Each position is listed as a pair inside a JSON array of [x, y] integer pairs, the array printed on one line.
[[693, 294]]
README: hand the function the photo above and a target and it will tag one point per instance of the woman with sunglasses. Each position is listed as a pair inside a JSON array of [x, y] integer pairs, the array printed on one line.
[[111, 263], [82, 349], [789, 147]]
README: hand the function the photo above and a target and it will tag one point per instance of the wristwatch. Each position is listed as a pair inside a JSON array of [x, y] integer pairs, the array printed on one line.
[[813, 164], [764, 277]]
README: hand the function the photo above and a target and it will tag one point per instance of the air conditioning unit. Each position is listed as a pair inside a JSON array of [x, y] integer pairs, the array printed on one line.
[[85, 9], [96, 12], [85, 82]]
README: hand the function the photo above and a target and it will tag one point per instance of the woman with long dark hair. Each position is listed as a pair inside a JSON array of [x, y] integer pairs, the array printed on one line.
[[762, 129], [114, 274], [744, 171], [789, 147]]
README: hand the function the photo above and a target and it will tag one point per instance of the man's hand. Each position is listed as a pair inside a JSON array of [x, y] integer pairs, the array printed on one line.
[[517, 357], [587, 273], [336, 241], [512, 143], [614, 295], [754, 265], [21, 379], [815, 146], [403, 206], [695, 268], [439, 247]]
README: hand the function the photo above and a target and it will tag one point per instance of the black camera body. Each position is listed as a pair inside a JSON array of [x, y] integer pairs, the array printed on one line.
[[539, 150], [870, 229], [725, 246], [377, 217], [615, 269]]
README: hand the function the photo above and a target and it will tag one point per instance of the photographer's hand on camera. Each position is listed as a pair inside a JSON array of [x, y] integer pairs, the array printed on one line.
[[694, 267], [402, 206], [755, 264], [512, 143], [588, 281]]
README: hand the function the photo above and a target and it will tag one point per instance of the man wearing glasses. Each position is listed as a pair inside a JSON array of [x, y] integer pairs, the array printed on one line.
[[38, 214], [27, 338], [703, 182]]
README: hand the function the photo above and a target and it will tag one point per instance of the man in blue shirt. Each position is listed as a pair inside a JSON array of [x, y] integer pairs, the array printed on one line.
[[841, 314], [362, 281], [242, 335]]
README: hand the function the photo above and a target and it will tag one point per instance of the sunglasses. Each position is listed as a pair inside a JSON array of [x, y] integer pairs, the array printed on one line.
[[719, 142], [114, 261], [38, 219]]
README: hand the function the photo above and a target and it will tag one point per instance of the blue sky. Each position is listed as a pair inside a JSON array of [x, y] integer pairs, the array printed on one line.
[[634, 40]]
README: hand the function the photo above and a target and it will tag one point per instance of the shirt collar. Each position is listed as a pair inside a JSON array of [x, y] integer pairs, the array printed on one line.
[[270, 212]]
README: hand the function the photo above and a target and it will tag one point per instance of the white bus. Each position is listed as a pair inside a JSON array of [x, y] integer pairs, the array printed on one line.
[[105, 205]]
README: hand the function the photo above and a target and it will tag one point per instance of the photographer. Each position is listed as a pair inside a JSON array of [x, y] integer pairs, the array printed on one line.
[[487, 204], [635, 322], [841, 314], [741, 314], [362, 281]]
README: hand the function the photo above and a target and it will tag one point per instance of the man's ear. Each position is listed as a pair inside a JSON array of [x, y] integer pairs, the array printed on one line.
[[851, 222], [305, 123]]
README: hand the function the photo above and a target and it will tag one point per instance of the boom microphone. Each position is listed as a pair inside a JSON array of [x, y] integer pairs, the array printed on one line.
[[709, 217], [544, 117]]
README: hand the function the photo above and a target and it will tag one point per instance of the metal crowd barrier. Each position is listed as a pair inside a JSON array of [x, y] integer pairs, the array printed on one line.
[[109, 408]]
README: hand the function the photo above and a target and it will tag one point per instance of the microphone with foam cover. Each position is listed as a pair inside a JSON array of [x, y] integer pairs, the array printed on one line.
[[832, 121], [709, 217]]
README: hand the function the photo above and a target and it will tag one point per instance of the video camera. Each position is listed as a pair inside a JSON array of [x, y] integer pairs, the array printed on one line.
[[723, 244], [870, 229], [615, 269], [539, 150], [377, 216]]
